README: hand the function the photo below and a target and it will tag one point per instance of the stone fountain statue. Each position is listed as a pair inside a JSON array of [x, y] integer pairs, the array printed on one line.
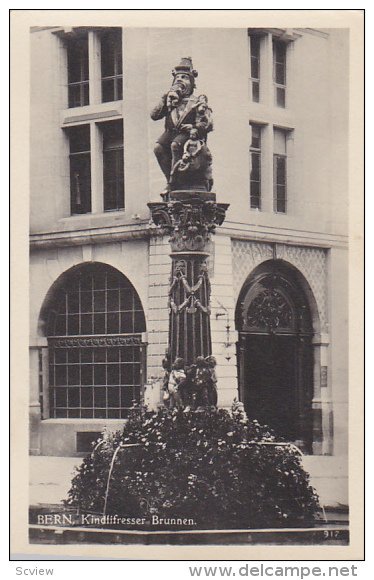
[[182, 150], [189, 213]]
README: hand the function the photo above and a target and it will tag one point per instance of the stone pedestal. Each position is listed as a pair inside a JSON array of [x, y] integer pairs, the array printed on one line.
[[190, 217]]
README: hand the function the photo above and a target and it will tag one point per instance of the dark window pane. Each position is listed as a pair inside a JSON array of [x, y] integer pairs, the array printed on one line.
[[99, 301], [255, 91], [281, 205], [127, 354], [99, 375], [60, 355], [86, 413], [113, 374], [73, 302], [127, 376], [256, 137], [255, 202], [126, 299], [86, 324], [87, 396], [99, 354], [255, 68], [79, 139], [255, 189], [126, 397], [136, 374], [86, 301], [73, 355], [107, 90], [62, 303], [86, 374], [119, 89], [139, 324], [114, 413], [115, 280], [73, 375], [61, 397], [99, 324], [127, 322], [113, 300], [111, 65], [61, 375], [99, 280], [60, 328], [78, 60], [113, 354], [80, 169], [113, 397], [100, 396], [86, 355], [281, 170], [86, 283], [113, 165], [113, 323], [280, 77], [280, 97], [256, 165], [100, 413], [73, 324], [136, 354], [73, 413], [73, 397], [79, 95], [77, 57]]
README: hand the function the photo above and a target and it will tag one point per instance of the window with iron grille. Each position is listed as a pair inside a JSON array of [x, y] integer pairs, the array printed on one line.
[[111, 65], [113, 165], [279, 72], [255, 173], [80, 169], [254, 47], [78, 79], [96, 355], [280, 171]]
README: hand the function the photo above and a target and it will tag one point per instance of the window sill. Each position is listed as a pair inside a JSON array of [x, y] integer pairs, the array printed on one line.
[[91, 112]]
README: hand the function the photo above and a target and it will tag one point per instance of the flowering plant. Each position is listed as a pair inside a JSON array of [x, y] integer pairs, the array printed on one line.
[[214, 467]]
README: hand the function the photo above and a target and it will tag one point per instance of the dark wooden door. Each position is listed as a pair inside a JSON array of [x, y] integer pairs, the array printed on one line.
[[270, 382]]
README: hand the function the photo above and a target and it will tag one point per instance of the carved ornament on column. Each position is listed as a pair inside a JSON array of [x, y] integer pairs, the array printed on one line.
[[190, 218]]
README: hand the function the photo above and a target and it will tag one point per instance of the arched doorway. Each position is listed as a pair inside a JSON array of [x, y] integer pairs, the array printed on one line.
[[94, 320], [275, 352]]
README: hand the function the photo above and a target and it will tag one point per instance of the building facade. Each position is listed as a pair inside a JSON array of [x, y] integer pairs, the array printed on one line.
[[99, 270]]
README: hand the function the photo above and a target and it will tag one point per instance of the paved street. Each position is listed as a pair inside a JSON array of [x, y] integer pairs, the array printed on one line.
[[50, 478]]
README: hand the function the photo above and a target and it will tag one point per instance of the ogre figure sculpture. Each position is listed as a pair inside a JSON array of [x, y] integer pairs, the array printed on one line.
[[181, 150]]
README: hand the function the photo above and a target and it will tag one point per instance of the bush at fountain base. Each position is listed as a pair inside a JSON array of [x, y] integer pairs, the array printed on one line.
[[214, 468]]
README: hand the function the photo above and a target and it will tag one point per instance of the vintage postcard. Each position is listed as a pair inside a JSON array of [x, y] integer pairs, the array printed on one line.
[[188, 242]]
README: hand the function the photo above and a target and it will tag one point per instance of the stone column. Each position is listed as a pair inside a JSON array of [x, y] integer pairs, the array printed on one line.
[[190, 217]]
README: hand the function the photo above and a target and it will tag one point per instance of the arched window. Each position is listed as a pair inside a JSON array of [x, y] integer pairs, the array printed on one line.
[[96, 355]]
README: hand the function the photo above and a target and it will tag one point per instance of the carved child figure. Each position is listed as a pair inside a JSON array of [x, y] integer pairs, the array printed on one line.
[[191, 149], [203, 382], [176, 378], [166, 365], [212, 363]]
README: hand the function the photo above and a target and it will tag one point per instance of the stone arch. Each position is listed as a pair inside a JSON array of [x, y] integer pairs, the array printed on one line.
[[277, 319]]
